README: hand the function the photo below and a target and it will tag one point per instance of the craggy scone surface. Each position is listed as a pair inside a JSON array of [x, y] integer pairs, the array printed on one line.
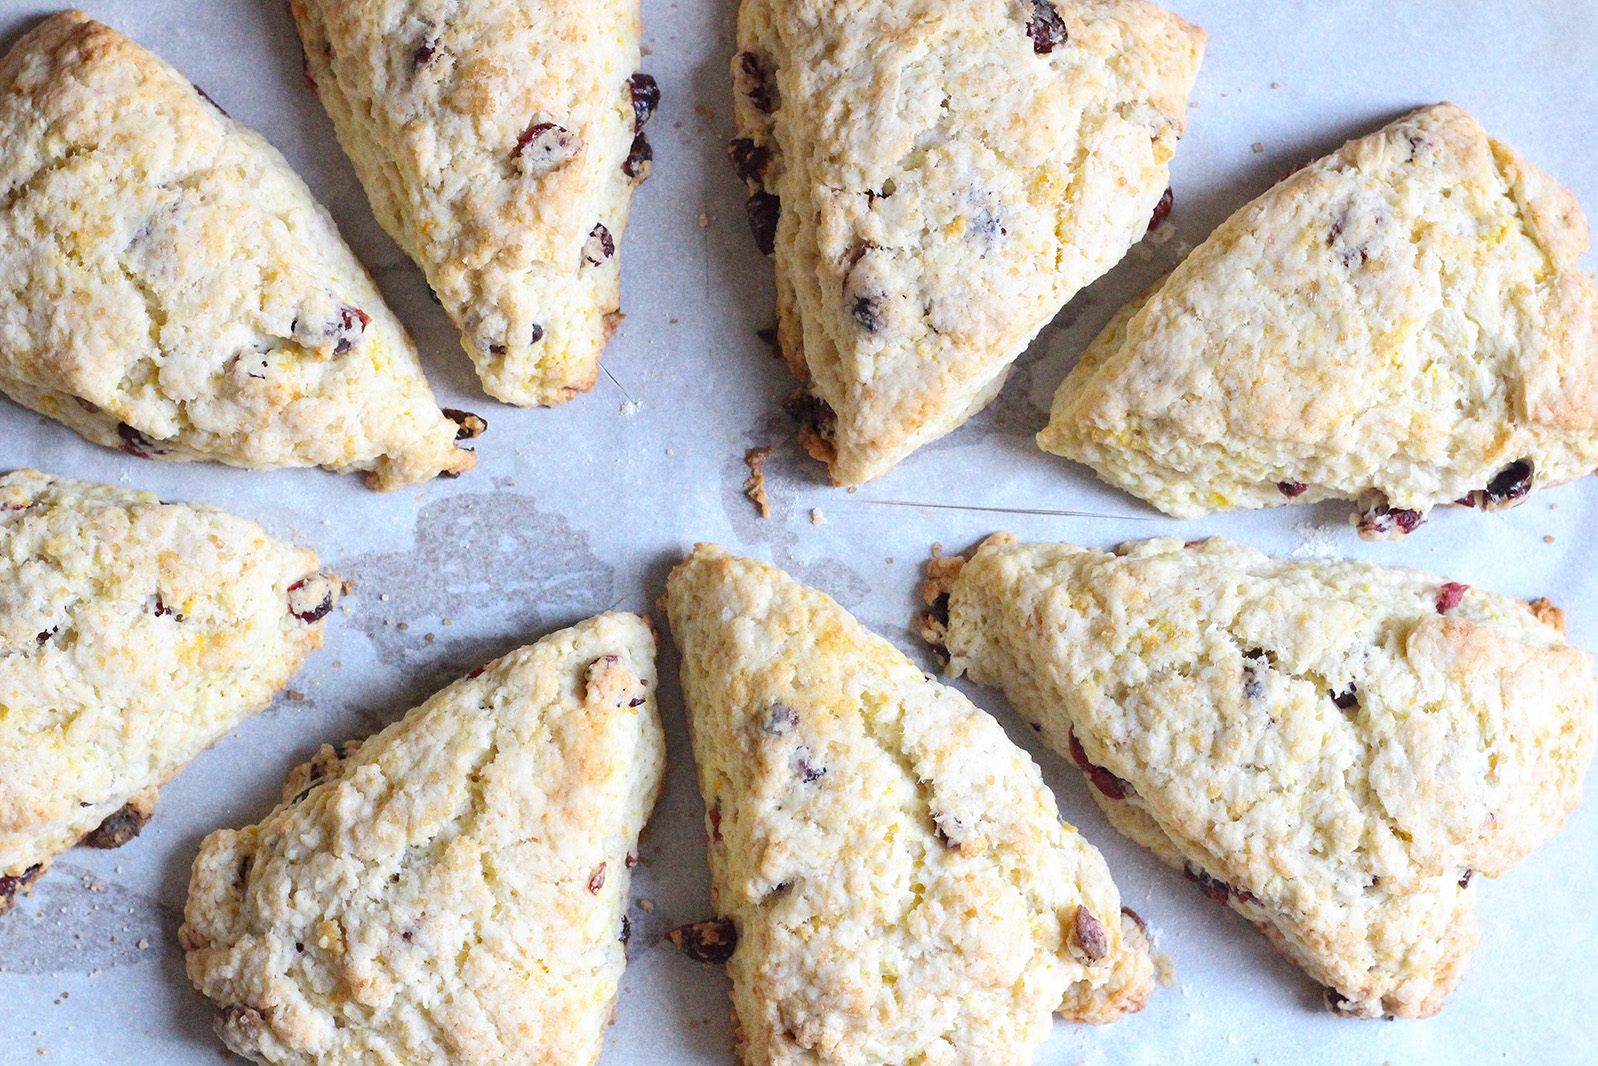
[[496, 141], [169, 286], [901, 883], [452, 890], [1402, 323], [1334, 748], [133, 635], [949, 174]]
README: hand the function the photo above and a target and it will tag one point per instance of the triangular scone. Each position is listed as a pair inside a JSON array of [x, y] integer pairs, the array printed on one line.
[[499, 142], [133, 635], [947, 177], [1333, 748], [895, 868], [1401, 323], [169, 286], [454, 889]]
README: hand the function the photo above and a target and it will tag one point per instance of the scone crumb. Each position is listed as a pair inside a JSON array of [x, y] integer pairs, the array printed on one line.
[[1257, 147], [819, 519], [755, 486], [295, 695], [647, 906]]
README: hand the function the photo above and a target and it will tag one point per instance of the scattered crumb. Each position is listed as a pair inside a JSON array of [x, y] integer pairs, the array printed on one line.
[[1549, 539], [1164, 969], [446, 621], [1258, 147], [384, 597], [1142, 252], [853, 489], [338, 664], [403, 625], [647, 906], [295, 695], [704, 220], [890, 560], [755, 487], [1274, 85], [143, 944], [631, 407], [429, 636], [819, 519]]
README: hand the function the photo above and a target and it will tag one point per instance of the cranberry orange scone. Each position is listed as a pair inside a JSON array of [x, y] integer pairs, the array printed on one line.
[[499, 142], [169, 286], [896, 871], [1335, 749], [133, 635], [936, 181], [1401, 323], [453, 890]]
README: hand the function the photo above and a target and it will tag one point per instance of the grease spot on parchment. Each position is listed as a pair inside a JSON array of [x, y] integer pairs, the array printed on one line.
[[74, 922], [787, 470], [498, 568]]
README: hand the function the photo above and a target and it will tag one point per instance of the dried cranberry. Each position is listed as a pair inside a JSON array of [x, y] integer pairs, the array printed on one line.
[[136, 443], [318, 611], [1046, 28], [755, 76], [646, 97], [93, 409], [161, 610], [1090, 935], [1383, 520], [749, 159], [1292, 489], [780, 719], [808, 771], [545, 147], [536, 336], [1509, 486], [424, 54], [1137, 919], [870, 312], [1347, 699], [497, 349], [1214, 887], [600, 246], [1162, 210], [626, 930], [764, 210], [1349, 253], [119, 828], [471, 426], [1464, 881], [1450, 595], [476, 673], [1257, 661], [632, 859], [11, 884], [712, 942], [350, 328], [596, 880], [1107, 783], [715, 824], [639, 163]]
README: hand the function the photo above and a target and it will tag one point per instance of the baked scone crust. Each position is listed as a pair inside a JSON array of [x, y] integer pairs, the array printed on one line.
[[1331, 747], [1401, 323], [499, 144], [133, 635], [168, 286], [948, 175], [898, 875], [452, 889]]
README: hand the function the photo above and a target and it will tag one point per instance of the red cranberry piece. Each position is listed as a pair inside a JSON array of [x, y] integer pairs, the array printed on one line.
[[600, 246], [646, 98], [349, 329], [136, 443], [471, 426], [1103, 780], [93, 409], [779, 720], [870, 312], [119, 828], [715, 824], [424, 54], [1162, 210], [626, 933], [1508, 487], [596, 880], [764, 209], [1450, 596], [1347, 699], [1046, 28], [809, 772], [303, 604], [1214, 887], [44, 637], [755, 75], [1383, 520], [712, 942], [1292, 489], [1090, 936], [11, 884], [749, 159], [1464, 881], [544, 148], [639, 163]]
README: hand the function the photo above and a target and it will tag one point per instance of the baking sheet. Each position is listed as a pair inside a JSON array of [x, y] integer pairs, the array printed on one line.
[[586, 507]]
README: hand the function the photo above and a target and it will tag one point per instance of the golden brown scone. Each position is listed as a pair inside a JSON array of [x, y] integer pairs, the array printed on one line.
[[453, 890], [169, 287], [133, 635], [499, 142], [1401, 323], [1334, 749], [901, 884], [936, 181]]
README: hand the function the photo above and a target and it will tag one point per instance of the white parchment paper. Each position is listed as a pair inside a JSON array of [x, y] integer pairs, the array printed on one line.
[[585, 507]]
